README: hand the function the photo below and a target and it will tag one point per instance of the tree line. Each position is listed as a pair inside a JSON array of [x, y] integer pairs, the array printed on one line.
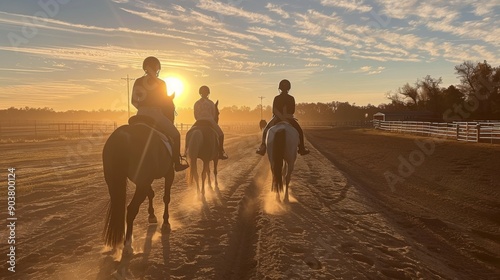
[[476, 97]]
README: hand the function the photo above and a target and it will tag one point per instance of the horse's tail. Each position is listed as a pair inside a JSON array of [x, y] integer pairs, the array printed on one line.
[[278, 156], [115, 164], [193, 150]]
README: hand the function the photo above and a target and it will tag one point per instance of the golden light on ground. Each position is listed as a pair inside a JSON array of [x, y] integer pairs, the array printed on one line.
[[174, 85]]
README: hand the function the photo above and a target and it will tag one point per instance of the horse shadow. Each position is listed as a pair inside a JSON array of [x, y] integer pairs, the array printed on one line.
[[135, 264]]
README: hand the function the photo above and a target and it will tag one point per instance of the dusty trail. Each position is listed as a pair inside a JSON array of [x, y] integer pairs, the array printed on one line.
[[337, 226]]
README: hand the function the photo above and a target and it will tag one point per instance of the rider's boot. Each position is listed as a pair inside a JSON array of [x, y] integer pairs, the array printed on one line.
[[178, 165], [262, 149], [222, 153], [303, 151]]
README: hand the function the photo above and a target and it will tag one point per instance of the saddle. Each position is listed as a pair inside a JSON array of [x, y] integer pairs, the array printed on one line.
[[151, 123], [204, 126]]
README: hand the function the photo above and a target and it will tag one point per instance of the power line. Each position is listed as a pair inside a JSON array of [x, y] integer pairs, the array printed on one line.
[[128, 92]]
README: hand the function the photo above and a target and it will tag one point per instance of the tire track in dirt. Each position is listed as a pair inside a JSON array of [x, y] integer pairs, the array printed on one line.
[[239, 261]]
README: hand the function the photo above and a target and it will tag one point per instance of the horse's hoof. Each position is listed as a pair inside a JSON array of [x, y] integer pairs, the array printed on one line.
[[166, 228], [128, 251], [152, 220]]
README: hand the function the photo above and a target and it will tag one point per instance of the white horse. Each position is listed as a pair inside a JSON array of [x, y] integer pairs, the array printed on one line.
[[282, 142]]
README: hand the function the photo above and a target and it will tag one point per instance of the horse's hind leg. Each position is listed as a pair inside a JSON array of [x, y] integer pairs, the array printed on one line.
[[132, 209], [216, 161], [208, 176], [169, 179], [203, 178], [275, 184], [152, 218], [286, 179]]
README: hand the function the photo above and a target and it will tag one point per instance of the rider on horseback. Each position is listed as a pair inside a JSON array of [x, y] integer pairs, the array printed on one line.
[[283, 110], [149, 96], [204, 110]]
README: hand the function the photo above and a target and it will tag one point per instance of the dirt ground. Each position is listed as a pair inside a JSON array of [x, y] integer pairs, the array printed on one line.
[[364, 205], [444, 196]]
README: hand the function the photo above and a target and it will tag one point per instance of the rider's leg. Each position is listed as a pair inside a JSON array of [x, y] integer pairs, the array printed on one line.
[[262, 148], [220, 133], [302, 149], [176, 146]]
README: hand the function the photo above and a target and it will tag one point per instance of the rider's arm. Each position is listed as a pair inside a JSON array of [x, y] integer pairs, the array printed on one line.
[[196, 110], [138, 94], [291, 106]]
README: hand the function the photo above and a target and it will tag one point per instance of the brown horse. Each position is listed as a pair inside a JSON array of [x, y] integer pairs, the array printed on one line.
[[202, 143], [138, 153]]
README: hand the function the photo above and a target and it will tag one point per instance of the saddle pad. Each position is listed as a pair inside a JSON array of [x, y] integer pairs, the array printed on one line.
[[163, 137]]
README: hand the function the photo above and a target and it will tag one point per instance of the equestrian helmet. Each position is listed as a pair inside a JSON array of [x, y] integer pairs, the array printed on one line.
[[204, 91], [285, 85], [151, 62]]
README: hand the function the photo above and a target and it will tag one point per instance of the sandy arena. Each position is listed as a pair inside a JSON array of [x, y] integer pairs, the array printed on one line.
[[436, 217]]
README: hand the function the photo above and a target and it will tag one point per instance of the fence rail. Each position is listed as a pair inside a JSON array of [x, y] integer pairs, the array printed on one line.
[[28, 130], [43, 129], [482, 131]]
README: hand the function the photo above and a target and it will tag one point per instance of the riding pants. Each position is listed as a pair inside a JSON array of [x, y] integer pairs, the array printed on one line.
[[166, 126]]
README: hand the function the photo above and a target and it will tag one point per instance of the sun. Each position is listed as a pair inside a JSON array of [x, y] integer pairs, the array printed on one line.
[[174, 85]]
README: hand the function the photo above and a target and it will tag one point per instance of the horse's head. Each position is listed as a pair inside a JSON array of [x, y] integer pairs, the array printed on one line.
[[217, 111]]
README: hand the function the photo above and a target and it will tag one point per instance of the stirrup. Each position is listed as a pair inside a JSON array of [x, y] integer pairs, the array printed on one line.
[[181, 165]]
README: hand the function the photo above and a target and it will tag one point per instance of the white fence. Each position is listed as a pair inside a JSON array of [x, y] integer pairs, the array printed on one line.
[[482, 131]]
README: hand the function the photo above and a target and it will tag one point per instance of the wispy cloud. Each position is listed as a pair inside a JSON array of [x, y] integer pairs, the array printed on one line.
[[233, 11], [369, 70], [47, 93], [37, 70], [349, 5], [277, 10]]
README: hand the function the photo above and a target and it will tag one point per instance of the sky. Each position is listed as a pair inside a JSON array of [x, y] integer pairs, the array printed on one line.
[[74, 54]]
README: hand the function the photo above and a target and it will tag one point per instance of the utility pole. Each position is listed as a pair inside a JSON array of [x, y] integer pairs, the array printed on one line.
[[128, 92], [261, 97]]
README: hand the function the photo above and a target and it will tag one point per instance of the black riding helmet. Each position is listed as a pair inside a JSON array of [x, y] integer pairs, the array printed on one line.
[[204, 91], [285, 85], [151, 62]]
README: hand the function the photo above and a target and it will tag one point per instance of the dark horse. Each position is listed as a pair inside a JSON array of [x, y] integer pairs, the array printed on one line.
[[202, 143], [138, 153]]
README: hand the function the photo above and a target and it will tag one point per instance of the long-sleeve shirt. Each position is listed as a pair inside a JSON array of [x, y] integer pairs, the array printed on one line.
[[204, 109], [282, 100], [152, 92]]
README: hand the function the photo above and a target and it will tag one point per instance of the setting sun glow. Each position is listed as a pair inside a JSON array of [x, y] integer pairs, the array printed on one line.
[[174, 85]]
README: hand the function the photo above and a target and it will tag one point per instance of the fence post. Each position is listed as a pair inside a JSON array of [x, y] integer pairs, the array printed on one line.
[[478, 126], [466, 132], [78, 130], [36, 133], [458, 131]]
